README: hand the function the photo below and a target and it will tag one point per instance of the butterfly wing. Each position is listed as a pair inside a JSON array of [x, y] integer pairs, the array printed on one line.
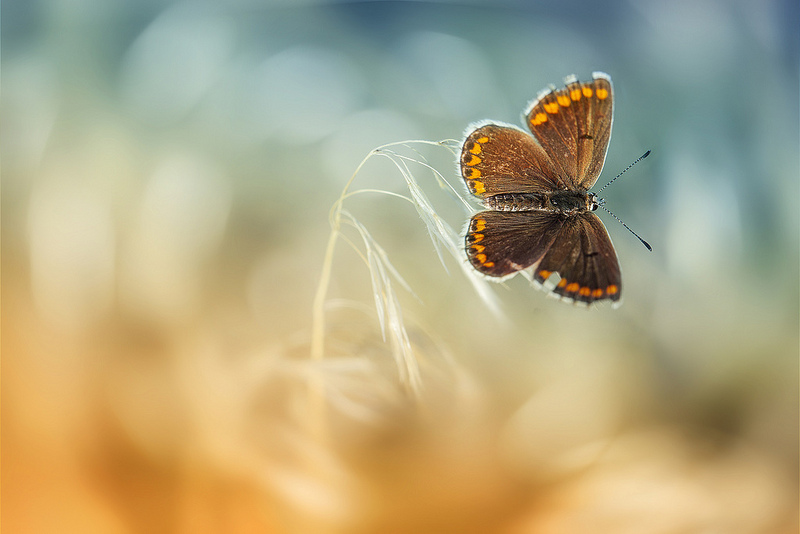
[[497, 159], [500, 243], [582, 254], [573, 125]]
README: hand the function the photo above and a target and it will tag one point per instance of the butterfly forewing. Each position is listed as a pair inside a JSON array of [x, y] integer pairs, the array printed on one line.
[[573, 125], [497, 159]]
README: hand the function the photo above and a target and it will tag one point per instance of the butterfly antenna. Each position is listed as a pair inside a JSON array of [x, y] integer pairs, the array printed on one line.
[[645, 243], [640, 158]]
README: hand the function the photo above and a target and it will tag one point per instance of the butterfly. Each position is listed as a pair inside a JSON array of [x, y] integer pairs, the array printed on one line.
[[539, 212]]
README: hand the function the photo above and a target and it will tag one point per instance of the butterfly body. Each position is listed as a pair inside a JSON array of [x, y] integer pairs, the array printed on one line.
[[536, 189]]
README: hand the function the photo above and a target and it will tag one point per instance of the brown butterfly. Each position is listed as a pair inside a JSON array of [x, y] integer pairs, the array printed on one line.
[[536, 190]]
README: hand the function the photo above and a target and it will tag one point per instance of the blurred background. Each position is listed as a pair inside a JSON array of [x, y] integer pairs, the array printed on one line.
[[167, 174]]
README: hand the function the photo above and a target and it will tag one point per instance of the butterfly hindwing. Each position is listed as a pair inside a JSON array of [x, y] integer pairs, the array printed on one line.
[[573, 125], [584, 258], [501, 243]]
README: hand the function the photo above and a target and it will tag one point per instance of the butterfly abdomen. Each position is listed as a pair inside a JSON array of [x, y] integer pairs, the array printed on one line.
[[516, 202], [559, 201]]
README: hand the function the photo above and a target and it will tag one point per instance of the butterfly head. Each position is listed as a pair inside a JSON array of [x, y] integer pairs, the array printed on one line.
[[593, 202]]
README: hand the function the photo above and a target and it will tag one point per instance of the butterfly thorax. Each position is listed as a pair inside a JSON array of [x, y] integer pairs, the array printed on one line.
[[564, 202]]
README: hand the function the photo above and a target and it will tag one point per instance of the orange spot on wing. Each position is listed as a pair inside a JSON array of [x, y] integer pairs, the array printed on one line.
[[472, 173], [480, 224], [585, 292], [479, 188], [563, 100], [481, 257], [483, 139], [545, 274], [476, 148], [539, 118], [575, 94], [474, 161], [602, 93], [551, 107], [478, 248], [572, 287], [587, 91], [562, 282], [489, 264], [612, 289], [477, 238]]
